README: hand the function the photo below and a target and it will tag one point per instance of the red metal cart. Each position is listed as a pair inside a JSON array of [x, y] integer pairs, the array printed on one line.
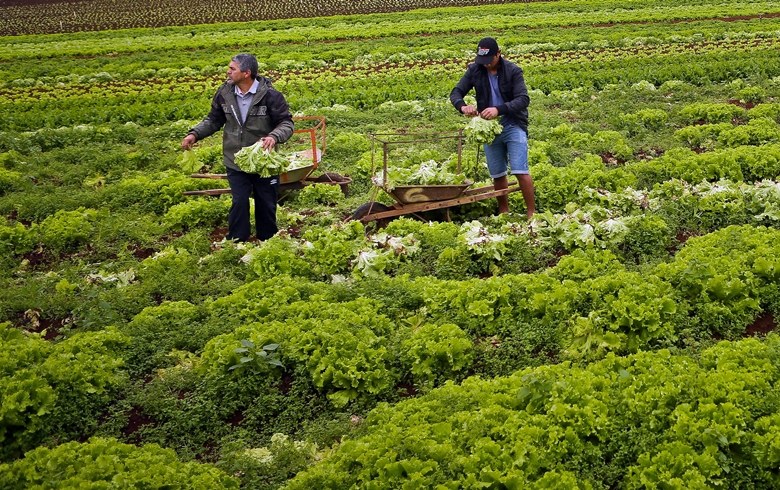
[[314, 134]]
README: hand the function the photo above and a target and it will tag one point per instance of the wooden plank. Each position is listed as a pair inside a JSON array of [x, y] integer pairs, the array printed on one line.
[[429, 206], [207, 192], [209, 176]]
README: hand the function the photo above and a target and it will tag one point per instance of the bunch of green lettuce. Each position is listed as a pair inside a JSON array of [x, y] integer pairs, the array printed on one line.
[[189, 161], [257, 160], [482, 131], [427, 173]]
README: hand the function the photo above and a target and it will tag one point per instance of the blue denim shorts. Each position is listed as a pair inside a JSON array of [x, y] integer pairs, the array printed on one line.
[[508, 150]]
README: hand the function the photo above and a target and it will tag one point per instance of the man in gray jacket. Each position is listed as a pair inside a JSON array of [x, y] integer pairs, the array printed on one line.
[[500, 91], [248, 109]]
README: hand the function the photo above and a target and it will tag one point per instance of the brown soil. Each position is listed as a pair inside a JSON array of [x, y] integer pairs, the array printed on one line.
[[286, 383], [679, 241], [141, 253], [51, 327], [218, 234], [31, 321], [649, 154], [295, 231], [763, 325], [236, 418], [683, 237], [610, 160], [136, 420], [36, 257], [745, 105], [406, 390]]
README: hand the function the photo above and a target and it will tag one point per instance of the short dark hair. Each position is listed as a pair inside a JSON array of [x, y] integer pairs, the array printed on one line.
[[246, 62]]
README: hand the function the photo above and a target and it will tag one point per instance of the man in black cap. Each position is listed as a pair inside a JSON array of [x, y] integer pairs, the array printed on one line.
[[501, 92]]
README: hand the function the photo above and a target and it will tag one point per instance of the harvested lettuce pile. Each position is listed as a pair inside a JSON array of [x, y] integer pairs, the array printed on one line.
[[427, 173], [257, 160], [482, 131]]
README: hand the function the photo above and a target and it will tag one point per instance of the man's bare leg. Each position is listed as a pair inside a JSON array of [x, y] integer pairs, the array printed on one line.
[[527, 188], [503, 201]]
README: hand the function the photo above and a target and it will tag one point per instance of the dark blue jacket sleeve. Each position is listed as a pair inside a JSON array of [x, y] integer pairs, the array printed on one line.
[[463, 87]]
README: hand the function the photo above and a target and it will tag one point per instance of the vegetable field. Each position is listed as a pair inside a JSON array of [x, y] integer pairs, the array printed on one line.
[[621, 338]]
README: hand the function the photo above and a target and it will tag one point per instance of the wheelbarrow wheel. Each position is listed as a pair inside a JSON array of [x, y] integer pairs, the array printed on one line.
[[370, 208]]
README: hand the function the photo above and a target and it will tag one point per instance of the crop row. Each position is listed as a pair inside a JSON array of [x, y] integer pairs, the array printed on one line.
[[129, 320], [275, 60], [647, 420], [651, 420], [131, 58], [588, 205], [60, 17], [525, 15], [355, 343], [154, 102]]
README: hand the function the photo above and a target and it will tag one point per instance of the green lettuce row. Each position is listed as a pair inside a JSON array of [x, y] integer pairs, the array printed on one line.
[[637, 225], [650, 420], [357, 341], [108, 463], [426, 18], [558, 186], [589, 303], [54, 390], [147, 106]]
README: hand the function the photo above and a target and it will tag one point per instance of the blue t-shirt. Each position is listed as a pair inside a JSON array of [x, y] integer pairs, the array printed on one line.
[[494, 91]]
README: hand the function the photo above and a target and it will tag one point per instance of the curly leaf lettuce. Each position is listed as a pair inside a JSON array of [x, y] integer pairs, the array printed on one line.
[[427, 173], [189, 162], [482, 131], [255, 159]]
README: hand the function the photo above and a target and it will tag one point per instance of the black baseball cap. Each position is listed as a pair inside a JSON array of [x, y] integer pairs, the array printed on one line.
[[486, 50]]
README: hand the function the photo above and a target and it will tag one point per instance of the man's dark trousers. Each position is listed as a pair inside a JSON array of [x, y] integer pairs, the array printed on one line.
[[264, 190]]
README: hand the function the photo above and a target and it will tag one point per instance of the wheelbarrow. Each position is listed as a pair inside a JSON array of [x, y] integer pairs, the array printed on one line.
[[415, 199]]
